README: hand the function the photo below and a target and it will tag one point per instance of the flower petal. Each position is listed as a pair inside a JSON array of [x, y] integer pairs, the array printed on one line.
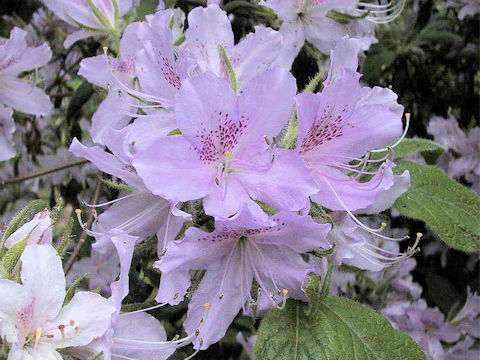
[[208, 29], [24, 96], [42, 276], [225, 301], [86, 317]]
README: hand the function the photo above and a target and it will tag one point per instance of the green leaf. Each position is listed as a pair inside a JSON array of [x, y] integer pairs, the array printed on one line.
[[72, 288], [15, 223], [12, 256], [66, 238], [337, 329], [449, 208], [344, 18], [98, 356], [430, 150], [230, 70], [98, 14]]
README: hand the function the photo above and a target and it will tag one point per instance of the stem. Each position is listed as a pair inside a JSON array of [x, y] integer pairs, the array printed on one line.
[[83, 236], [42, 173]]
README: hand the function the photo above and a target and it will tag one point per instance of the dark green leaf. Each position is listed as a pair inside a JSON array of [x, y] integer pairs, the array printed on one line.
[[450, 209], [337, 329]]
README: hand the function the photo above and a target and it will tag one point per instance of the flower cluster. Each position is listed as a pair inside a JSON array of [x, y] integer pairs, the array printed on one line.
[[196, 124]]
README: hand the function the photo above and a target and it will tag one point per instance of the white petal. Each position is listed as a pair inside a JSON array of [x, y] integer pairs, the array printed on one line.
[[43, 278], [86, 317]]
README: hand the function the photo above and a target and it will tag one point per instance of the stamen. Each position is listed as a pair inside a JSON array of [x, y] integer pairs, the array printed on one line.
[[144, 310], [400, 139], [177, 343], [227, 265], [165, 237], [353, 217], [38, 335], [113, 201], [382, 13], [284, 302]]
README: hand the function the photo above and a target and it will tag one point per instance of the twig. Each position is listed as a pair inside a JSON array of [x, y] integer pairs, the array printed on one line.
[[83, 236], [42, 173], [61, 94]]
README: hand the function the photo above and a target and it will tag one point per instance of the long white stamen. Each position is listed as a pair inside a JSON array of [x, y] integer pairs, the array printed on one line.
[[113, 201], [353, 217], [167, 227], [381, 13], [400, 139], [144, 310], [166, 344]]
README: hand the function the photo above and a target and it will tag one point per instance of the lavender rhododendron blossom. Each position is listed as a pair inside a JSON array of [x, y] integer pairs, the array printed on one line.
[[236, 253], [210, 34], [466, 162], [109, 73], [339, 126], [32, 318], [36, 231], [138, 212], [307, 20], [7, 128], [92, 18], [357, 246], [226, 154], [15, 58], [162, 65], [426, 325], [101, 269]]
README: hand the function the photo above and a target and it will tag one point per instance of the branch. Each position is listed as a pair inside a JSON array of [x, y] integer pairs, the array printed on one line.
[[83, 236], [42, 173]]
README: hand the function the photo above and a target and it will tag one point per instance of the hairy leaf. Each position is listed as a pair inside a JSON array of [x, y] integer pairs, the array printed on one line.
[[337, 329], [450, 209], [430, 150]]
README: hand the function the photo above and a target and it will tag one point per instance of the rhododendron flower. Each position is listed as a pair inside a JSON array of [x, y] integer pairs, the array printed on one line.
[[226, 154], [358, 247], [162, 66], [448, 133], [107, 72], [16, 58], [139, 212], [402, 282], [38, 231], [338, 127], [7, 128], [467, 7], [467, 319], [426, 325], [101, 16], [464, 349], [101, 269], [307, 20], [210, 33], [135, 327], [32, 319], [239, 251], [136, 334]]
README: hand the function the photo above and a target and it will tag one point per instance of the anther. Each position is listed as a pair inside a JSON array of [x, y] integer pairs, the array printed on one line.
[[227, 153], [38, 335], [285, 296]]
